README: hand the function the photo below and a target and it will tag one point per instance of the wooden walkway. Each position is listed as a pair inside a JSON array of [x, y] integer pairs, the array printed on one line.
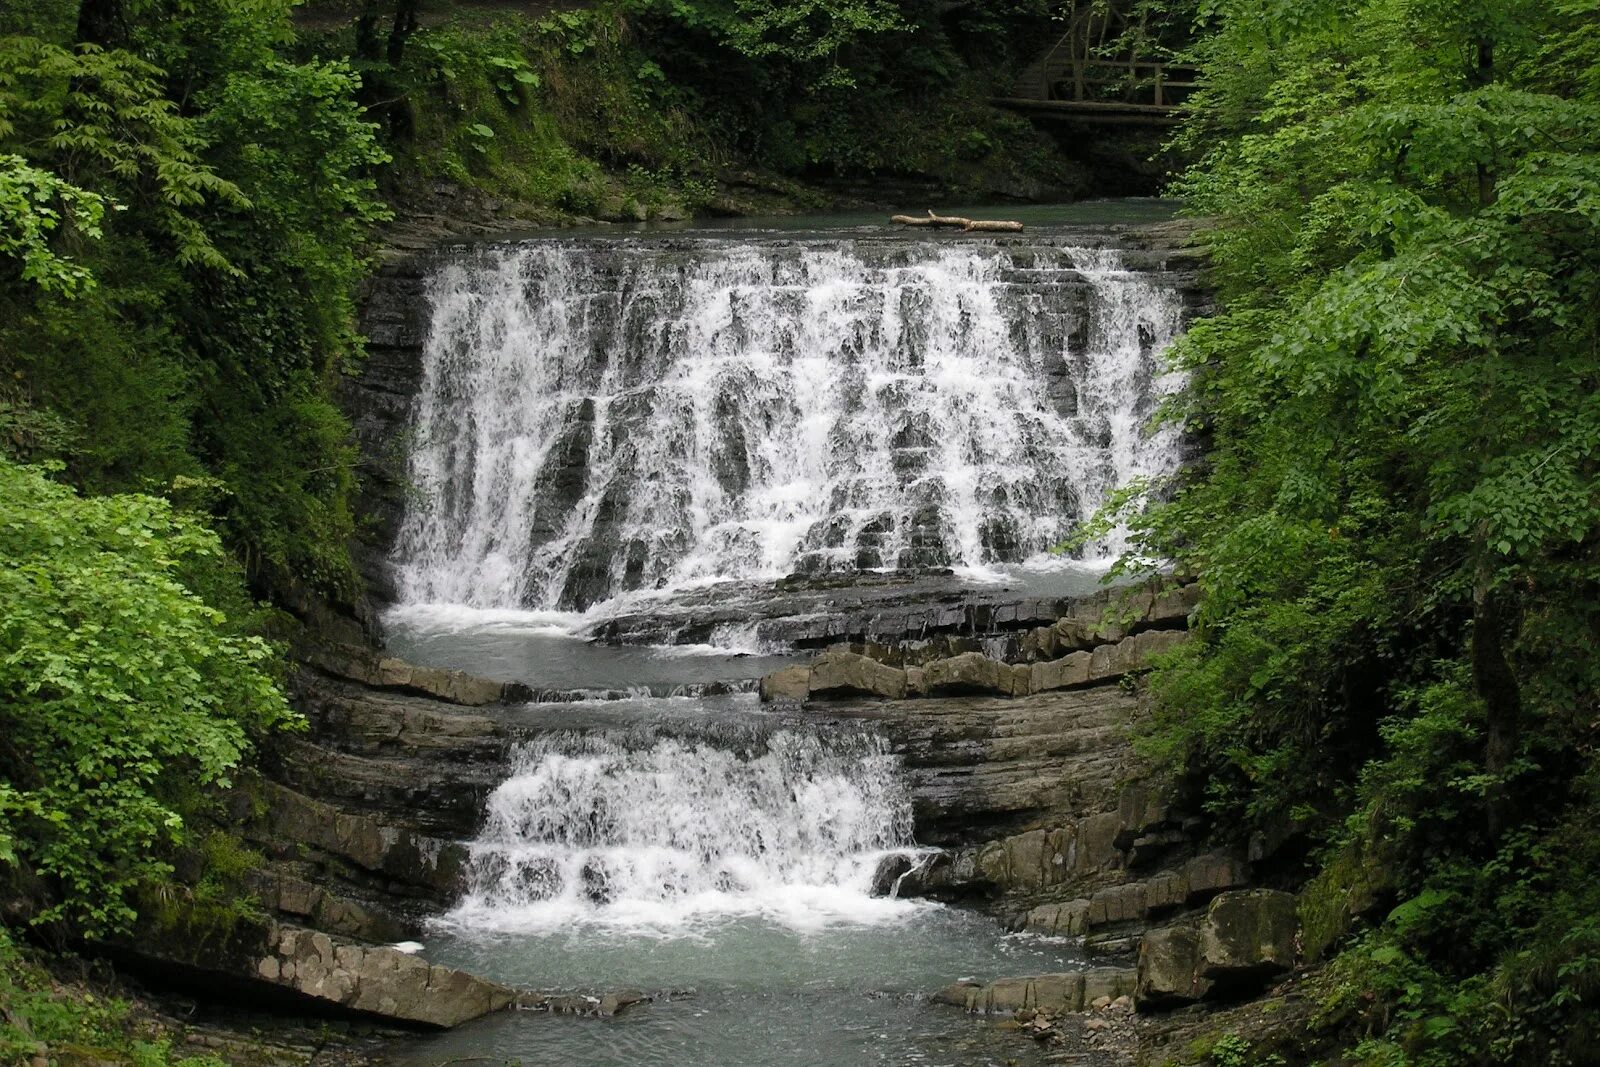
[[1081, 80]]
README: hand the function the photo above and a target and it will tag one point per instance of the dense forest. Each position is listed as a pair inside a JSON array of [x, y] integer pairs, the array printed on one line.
[[1396, 523]]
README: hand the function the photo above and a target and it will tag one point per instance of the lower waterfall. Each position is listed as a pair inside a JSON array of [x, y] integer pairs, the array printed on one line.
[[635, 831]]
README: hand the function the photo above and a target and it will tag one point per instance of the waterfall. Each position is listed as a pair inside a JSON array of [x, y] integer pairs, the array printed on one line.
[[600, 416], [631, 830]]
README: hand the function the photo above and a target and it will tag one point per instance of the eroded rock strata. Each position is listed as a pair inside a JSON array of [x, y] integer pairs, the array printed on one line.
[[1024, 774]]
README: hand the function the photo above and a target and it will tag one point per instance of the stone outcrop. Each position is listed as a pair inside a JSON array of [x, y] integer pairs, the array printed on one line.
[[1196, 880], [973, 673], [595, 1005], [282, 892], [407, 862], [1050, 993], [1108, 617], [840, 673], [361, 819]]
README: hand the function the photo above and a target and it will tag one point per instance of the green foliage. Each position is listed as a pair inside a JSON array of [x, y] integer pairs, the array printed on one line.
[[122, 693], [45, 1015], [811, 32], [1231, 1050], [1398, 526], [191, 206], [34, 204]]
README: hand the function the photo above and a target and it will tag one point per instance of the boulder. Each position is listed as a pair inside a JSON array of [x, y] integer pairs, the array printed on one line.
[[308, 970], [790, 683], [841, 673], [1169, 966], [1248, 934]]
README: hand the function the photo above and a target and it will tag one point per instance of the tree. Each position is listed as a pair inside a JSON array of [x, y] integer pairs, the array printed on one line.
[[1398, 527]]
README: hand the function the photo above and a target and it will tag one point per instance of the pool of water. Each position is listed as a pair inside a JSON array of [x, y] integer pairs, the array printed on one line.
[[545, 650], [752, 991]]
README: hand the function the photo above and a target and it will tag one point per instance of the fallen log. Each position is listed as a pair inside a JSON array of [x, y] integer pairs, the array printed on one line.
[[955, 222]]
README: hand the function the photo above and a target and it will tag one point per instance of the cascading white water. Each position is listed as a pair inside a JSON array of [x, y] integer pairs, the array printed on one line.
[[642, 833], [601, 416]]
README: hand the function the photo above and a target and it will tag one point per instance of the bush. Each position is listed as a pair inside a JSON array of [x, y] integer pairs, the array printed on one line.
[[123, 695]]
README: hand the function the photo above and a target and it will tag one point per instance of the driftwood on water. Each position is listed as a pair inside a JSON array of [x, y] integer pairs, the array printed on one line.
[[955, 222]]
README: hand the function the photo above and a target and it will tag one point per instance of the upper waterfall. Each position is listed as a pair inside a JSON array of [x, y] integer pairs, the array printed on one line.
[[599, 416]]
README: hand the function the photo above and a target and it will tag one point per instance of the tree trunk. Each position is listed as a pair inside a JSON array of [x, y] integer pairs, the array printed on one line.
[[367, 32], [955, 222], [1496, 684], [405, 24]]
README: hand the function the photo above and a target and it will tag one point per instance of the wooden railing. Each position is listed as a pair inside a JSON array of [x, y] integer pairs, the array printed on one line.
[[1078, 76]]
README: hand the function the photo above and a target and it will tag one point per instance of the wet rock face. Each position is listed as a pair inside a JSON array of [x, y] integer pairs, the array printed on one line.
[[361, 819], [983, 768], [819, 439], [394, 318], [906, 618]]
